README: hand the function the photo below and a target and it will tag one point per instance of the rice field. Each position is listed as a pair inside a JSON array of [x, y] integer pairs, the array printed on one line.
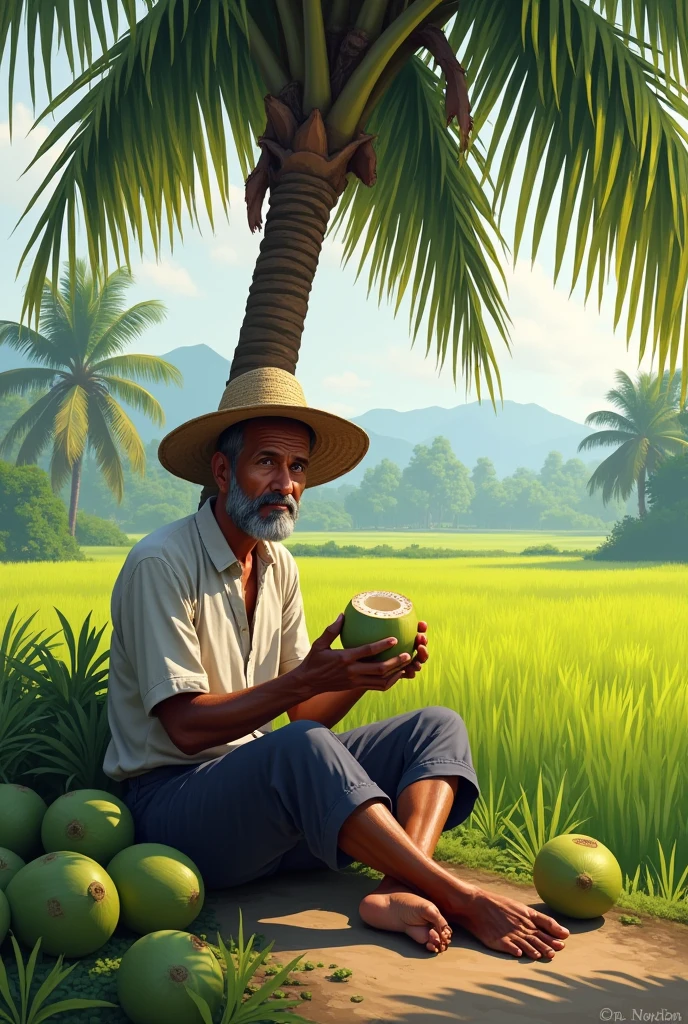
[[561, 668]]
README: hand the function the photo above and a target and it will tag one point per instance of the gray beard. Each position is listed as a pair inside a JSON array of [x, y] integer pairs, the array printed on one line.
[[245, 513]]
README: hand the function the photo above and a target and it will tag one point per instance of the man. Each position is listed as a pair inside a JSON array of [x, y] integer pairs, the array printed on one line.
[[210, 645]]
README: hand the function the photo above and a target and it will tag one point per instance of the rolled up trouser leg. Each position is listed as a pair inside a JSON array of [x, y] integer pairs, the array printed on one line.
[[237, 816]]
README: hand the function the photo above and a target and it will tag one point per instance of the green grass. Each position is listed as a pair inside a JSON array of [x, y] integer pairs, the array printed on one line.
[[485, 540], [564, 667]]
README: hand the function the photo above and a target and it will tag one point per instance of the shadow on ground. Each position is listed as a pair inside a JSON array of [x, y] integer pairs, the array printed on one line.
[[607, 972]]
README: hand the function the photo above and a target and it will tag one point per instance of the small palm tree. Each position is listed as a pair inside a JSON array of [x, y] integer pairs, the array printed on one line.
[[647, 428], [83, 329]]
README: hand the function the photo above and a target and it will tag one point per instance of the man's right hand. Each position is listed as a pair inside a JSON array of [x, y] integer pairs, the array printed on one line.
[[325, 670]]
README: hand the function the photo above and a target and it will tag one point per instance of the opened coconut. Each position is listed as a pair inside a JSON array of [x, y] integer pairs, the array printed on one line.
[[10, 863], [376, 614], [88, 821], [578, 876], [4, 917], [21, 814], [153, 974], [159, 887], [67, 900]]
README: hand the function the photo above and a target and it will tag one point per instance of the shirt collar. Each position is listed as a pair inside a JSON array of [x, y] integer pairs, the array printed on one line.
[[215, 543]]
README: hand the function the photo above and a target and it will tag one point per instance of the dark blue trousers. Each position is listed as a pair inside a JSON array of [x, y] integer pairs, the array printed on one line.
[[278, 802]]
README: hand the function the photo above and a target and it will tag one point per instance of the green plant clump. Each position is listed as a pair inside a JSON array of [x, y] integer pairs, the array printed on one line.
[[341, 974]]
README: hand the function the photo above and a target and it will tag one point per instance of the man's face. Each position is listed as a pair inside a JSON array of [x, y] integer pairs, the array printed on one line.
[[265, 490]]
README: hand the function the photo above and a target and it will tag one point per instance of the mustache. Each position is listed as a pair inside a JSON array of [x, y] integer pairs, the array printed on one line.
[[275, 498]]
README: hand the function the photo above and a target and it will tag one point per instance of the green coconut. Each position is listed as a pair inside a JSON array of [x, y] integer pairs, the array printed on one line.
[[159, 887], [21, 814], [153, 974], [4, 917], [67, 900], [576, 875], [10, 863], [88, 821], [376, 614]]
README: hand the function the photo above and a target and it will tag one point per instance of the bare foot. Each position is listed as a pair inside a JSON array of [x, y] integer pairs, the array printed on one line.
[[509, 926], [398, 910]]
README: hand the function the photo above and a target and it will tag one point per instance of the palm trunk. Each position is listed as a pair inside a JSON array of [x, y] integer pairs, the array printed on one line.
[[641, 493], [74, 496], [300, 207]]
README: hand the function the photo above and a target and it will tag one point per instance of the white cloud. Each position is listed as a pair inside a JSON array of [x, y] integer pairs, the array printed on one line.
[[224, 254], [169, 277], [338, 408], [347, 382]]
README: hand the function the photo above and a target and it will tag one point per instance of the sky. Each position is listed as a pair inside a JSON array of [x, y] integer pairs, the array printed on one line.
[[355, 355]]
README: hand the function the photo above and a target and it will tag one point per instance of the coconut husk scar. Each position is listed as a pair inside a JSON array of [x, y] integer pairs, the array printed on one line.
[[267, 391]]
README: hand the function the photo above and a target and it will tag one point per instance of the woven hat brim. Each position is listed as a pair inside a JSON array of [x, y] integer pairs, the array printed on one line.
[[339, 444]]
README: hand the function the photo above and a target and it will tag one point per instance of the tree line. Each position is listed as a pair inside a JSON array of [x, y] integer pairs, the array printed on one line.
[[437, 490]]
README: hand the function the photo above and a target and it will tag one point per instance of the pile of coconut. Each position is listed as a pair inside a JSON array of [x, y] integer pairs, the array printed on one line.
[[92, 876]]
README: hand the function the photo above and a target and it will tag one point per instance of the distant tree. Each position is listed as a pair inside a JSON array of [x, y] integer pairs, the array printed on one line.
[[646, 429], [375, 501], [525, 499], [489, 497], [97, 532], [82, 375], [33, 520], [668, 485], [323, 515], [435, 486]]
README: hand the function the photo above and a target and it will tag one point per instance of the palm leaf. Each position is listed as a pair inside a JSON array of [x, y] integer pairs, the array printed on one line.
[[48, 23], [609, 418], [103, 444], [34, 427], [71, 423], [25, 381], [136, 397], [147, 133], [122, 326], [436, 235], [149, 368], [564, 88], [660, 29], [36, 347]]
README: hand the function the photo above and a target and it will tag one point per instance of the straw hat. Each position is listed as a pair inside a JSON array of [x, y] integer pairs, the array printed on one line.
[[339, 445]]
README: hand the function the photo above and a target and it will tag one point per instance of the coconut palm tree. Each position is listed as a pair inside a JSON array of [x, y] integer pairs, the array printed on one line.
[[578, 101], [646, 428], [79, 373]]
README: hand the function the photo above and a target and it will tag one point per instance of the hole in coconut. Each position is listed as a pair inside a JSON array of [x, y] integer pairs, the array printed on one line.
[[193, 896], [197, 943], [3, 865], [48, 857], [97, 891], [584, 882], [75, 830], [54, 908], [381, 604], [178, 973]]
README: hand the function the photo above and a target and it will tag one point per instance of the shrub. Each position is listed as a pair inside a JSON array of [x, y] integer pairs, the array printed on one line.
[[659, 536], [99, 532], [33, 520]]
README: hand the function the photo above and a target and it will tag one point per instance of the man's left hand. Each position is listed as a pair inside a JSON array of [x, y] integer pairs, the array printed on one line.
[[421, 657]]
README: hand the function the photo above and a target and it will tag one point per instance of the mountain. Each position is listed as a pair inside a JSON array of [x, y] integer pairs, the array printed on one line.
[[516, 435]]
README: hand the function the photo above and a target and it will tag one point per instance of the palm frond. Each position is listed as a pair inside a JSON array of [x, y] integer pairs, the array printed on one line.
[[141, 367], [45, 24], [427, 224], [137, 397], [120, 329], [617, 475], [36, 427], [71, 424], [146, 137], [25, 380], [60, 468], [660, 29], [605, 438], [592, 117], [609, 418], [38, 348], [104, 447]]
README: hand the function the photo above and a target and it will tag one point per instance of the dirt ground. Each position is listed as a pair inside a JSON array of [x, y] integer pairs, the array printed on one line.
[[608, 971]]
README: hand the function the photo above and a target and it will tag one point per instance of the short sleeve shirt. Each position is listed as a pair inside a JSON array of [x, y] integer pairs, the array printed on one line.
[[180, 625]]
